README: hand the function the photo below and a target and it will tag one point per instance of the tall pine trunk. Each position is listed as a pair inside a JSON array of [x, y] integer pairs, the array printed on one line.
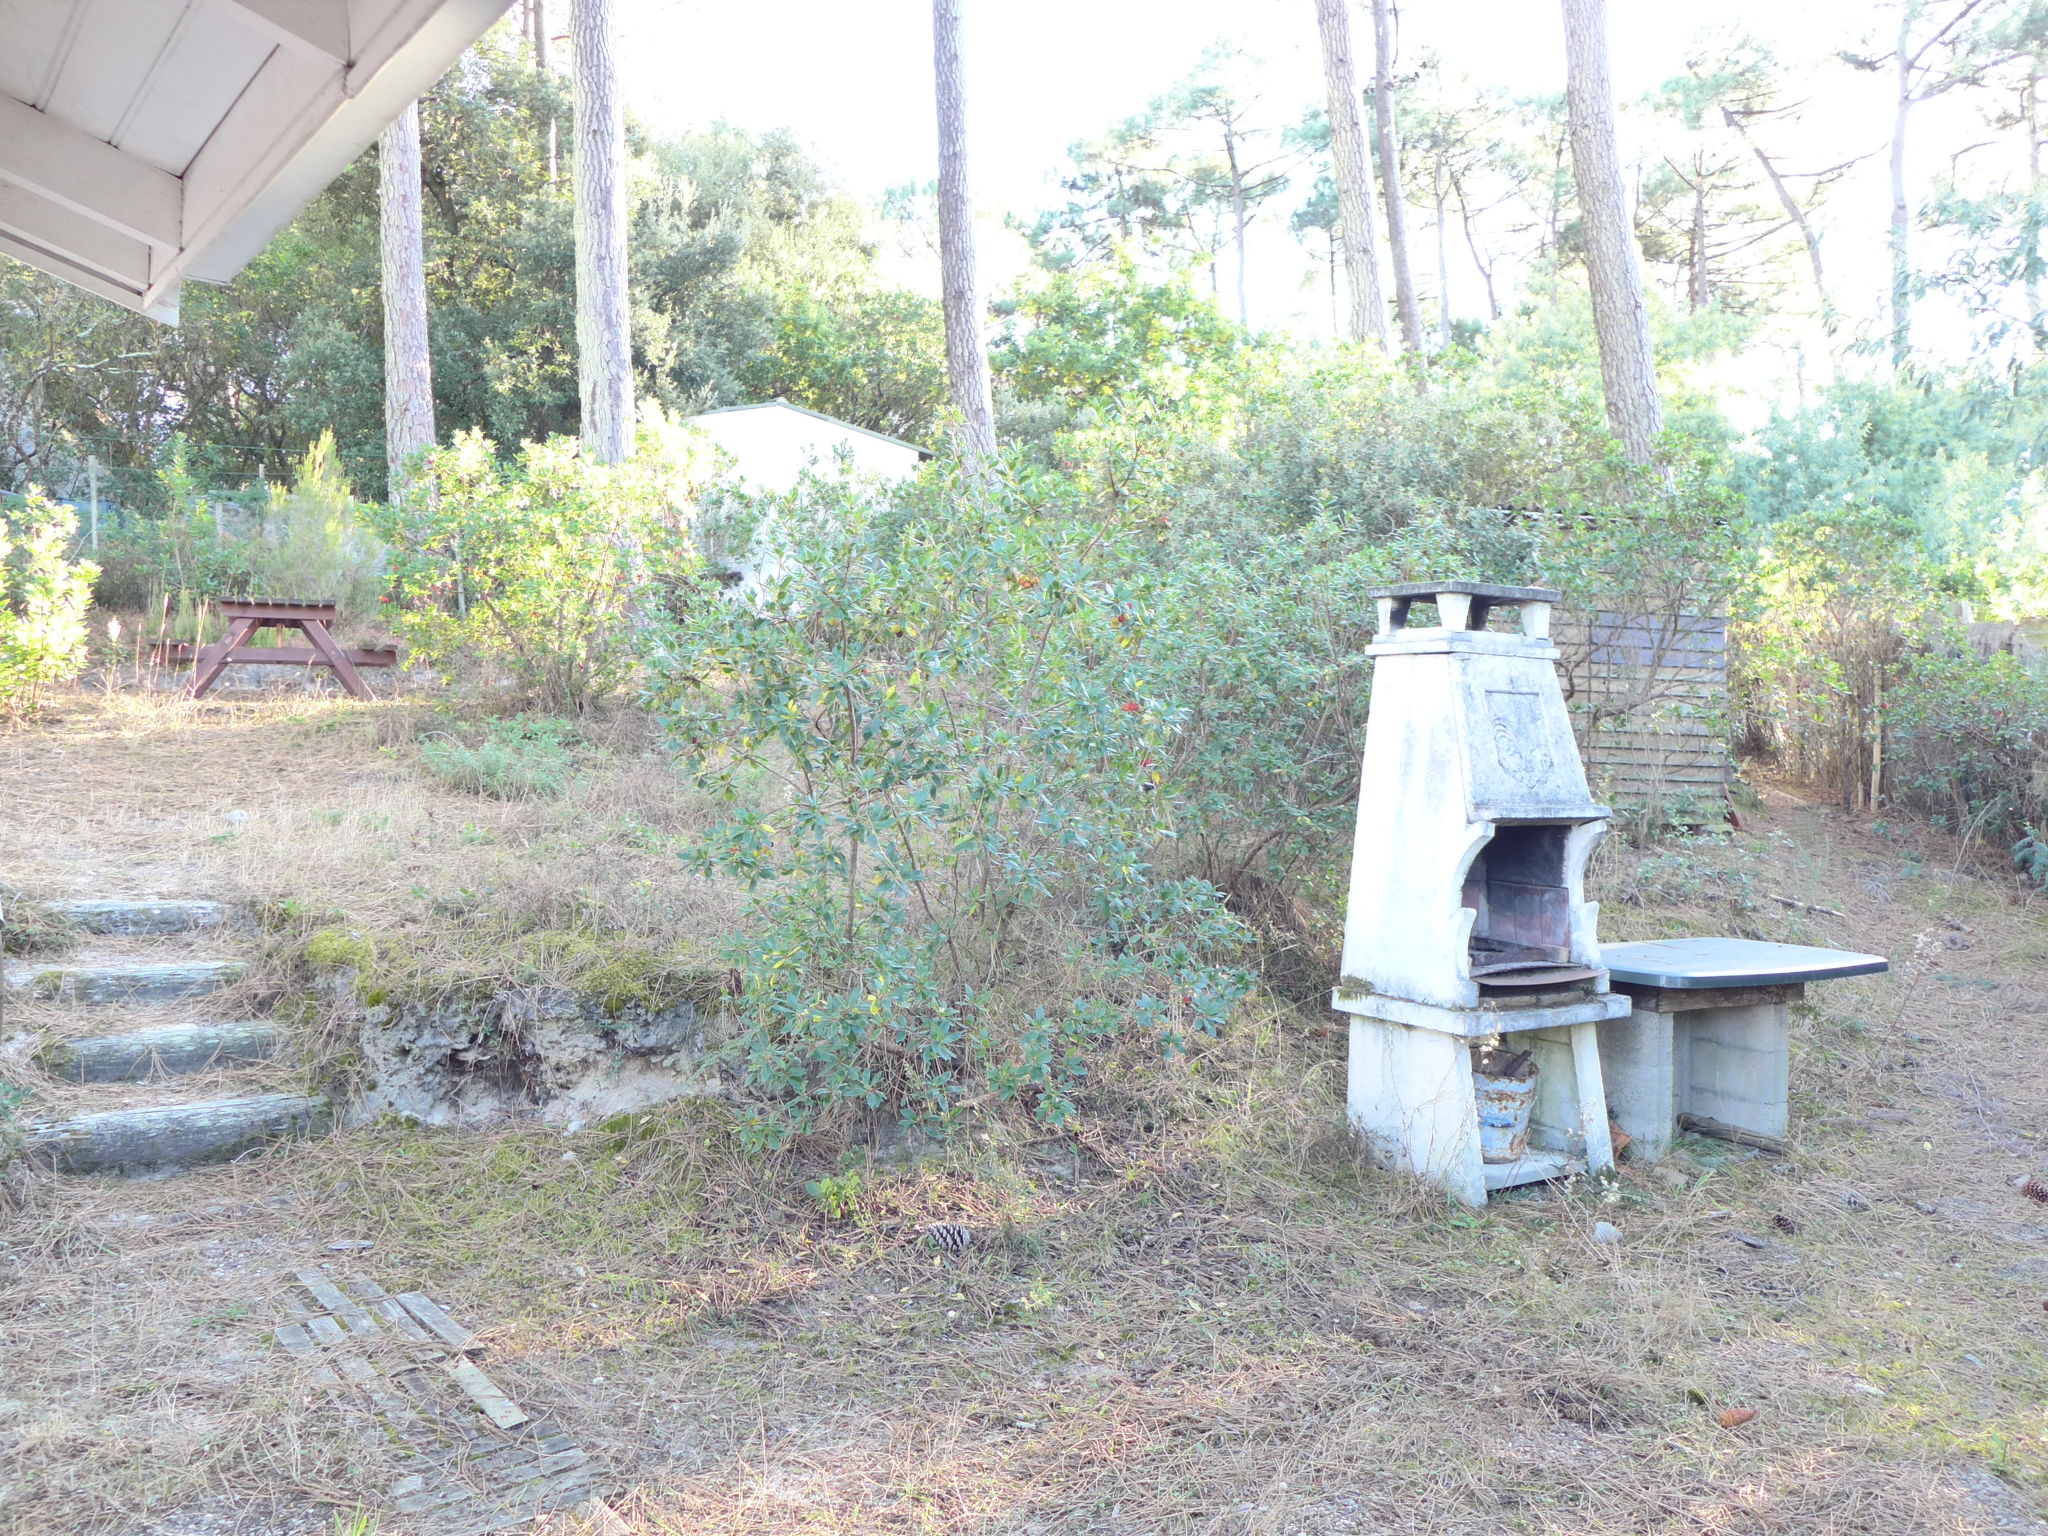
[[1238, 219], [1902, 220], [1390, 176], [408, 367], [1350, 170], [604, 337], [1621, 316], [1443, 262], [537, 26], [2030, 224], [1698, 288], [966, 355]]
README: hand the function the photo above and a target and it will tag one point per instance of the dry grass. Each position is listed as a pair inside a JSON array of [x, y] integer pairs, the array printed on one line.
[[1200, 1314]]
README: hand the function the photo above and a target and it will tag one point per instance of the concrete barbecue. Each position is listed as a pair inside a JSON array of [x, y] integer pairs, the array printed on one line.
[[1467, 923]]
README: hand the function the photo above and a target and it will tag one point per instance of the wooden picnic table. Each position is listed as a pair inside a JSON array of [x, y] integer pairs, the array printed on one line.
[[246, 615]]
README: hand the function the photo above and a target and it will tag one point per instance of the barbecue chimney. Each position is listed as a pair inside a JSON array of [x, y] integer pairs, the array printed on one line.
[[1467, 918]]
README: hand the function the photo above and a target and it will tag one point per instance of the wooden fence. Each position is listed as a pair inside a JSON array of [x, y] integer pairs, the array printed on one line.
[[1649, 699]]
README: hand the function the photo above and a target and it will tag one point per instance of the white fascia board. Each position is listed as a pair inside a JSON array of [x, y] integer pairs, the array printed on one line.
[[48, 226], [317, 28], [89, 176], [419, 43], [164, 307]]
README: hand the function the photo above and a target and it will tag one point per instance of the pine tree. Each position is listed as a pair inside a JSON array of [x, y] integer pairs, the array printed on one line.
[[966, 353], [1614, 270], [408, 367], [604, 338]]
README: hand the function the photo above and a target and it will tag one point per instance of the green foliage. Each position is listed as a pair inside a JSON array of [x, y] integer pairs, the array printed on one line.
[[954, 882], [871, 356], [544, 567], [339, 949], [1952, 460], [1965, 737], [44, 594], [315, 542], [1104, 333], [12, 1097], [836, 1195], [530, 758], [1841, 595]]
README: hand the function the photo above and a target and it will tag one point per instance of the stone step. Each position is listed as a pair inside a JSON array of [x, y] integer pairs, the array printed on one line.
[[168, 1136], [120, 981], [173, 1048], [134, 918]]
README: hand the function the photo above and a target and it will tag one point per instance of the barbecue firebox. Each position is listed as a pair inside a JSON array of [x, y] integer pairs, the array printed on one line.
[[1467, 919]]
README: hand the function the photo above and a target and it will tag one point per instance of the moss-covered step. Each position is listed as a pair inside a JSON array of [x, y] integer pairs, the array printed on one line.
[[168, 1136], [135, 918], [125, 981], [174, 1048]]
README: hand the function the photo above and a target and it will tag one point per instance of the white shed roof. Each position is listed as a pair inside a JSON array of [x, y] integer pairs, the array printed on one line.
[[778, 406], [143, 142]]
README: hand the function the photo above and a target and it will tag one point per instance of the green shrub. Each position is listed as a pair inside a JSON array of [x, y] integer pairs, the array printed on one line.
[[545, 567], [1845, 595], [12, 1097], [315, 540], [530, 758], [837, 1195], [1964, 740], [954, 882], [43, 599]]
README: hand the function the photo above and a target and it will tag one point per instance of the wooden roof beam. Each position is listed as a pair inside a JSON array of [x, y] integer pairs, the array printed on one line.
[[89, 176], [315, 28], [34, 219]]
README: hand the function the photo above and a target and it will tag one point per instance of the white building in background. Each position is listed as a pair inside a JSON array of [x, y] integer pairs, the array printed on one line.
[[772, 447], [773, 444]]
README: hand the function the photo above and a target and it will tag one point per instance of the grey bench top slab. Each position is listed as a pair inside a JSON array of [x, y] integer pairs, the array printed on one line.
[[1691, 965]]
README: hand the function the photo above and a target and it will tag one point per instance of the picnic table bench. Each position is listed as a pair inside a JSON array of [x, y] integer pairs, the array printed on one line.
[[245, 616]]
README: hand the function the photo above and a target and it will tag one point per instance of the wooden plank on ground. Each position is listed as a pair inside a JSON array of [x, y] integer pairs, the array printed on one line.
[[385, 1308], [496, 1406], [335, 1300], [439, 1323], [299, 1343]]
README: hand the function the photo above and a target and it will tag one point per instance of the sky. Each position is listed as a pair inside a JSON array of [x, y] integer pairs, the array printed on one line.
[[853, 81]]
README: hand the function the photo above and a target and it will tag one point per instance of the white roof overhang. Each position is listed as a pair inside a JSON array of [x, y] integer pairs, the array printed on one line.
[[143, 142]]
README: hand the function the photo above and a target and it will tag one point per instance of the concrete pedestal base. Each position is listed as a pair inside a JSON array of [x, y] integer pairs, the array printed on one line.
[[1723, 1054], [1411, 1097]]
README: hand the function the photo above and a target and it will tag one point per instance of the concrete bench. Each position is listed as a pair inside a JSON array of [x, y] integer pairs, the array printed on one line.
[[1710, 1034]]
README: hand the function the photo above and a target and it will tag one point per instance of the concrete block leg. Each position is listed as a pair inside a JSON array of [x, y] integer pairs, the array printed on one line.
[[1637, 1067], [1411, 1097], [1590, 1084], [1738, 1066], [1570, 1111]]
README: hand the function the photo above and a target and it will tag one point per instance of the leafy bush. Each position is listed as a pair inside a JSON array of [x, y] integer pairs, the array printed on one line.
[[1964, 739], [531, 758], [954, 881], [315, 540], [44, 595], [1844, 595], [543, 567]]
